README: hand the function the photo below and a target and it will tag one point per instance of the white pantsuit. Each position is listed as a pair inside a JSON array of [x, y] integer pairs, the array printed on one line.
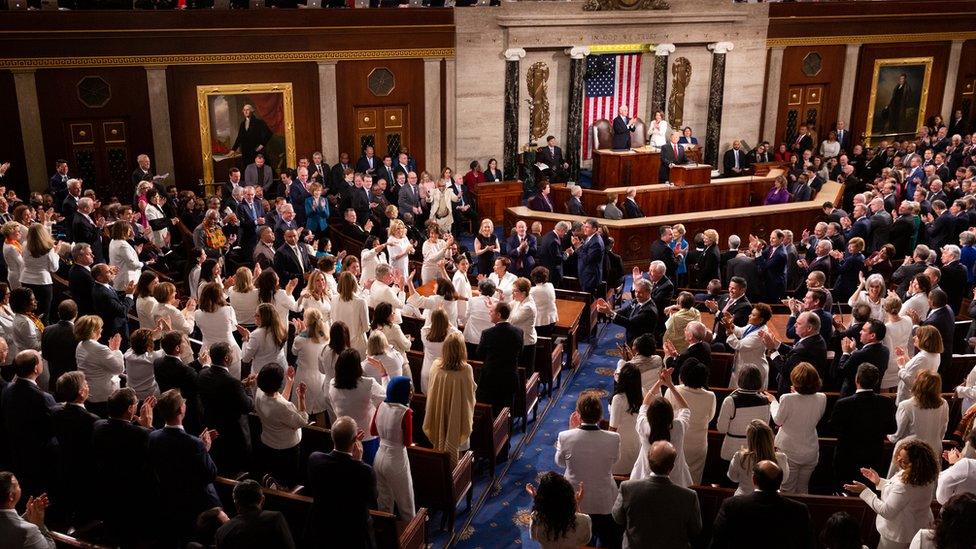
[[392, 465]]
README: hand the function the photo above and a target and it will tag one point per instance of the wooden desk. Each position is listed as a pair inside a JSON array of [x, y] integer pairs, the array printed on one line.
[[691, 174], [570, 318], [428, 289], [625, 168], [493, 198], [763, 168]]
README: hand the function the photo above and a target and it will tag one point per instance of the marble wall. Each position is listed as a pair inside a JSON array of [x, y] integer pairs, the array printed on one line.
[[546, 29]]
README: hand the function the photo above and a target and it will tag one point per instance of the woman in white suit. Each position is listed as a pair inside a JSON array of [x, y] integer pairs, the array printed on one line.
[[154, 211], [101, 364], [748, 346], [797, 415], [435, 249], [40, 260], [121, 254], [310, 340], [544, 296], [523, 317], [266, 344], [178, 320], [217, 322], [925, 416], [350, 308], [12, 253], [928, 341], [441, 200], [658, 130]]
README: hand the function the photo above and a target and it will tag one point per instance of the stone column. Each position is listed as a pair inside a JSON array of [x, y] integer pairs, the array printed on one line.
[[30, 128], [329, 112], [432, 114], [952, 75], [775, 72], [659, 96], [716, 94], [845, 109], [574, 134], [159, 116], [450, 113], [513, 56]]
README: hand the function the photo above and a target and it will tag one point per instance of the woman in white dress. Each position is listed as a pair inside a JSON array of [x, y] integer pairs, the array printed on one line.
[[122, 255], [444, 297], [243, 295], [797, 415], [659, 420], [435, 249], [747, 343], [350, 308], [217, 322], [390, 362], [928, 341], [918, 289], [739, 408], [371, 256], [266, 344], [462, 287], [357, 396], [101, 364], [317, 295], [281, 424], [13, 252], [282, 300], [544, 296], [178, 320], [145, 302], [433, 336], [701, 402], [658, 130], [154, 211], [139, 359], [925, 416], [310, 341], [758, 447], [830, 147], [905, 504], [442, 200], [384, 322], [502, 279], [898, 333], [871, 292], [479, 312], [40, 260], [625, 406], [642, 353], [393, 424], [399, 247]]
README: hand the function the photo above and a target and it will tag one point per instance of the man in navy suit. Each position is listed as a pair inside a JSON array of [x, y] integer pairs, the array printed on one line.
[[552, 253], [861, 227], [69, 207], [250, 215], [368, 163], [291, 260], [940, 226], [80, 280], [522, 250], [28, 417], [873, 352], [915, 177], [632, 209], [58, 185], [184, 468], [861, 422], [589, 256], [112, 307], [639, 317], [944, 319], [843, 137], [734, 160], [671, 154], [803, 142], [84, 229], [809, 347], [552, 156], [622, 128], [299, 192], [771, 262], [226, 405]]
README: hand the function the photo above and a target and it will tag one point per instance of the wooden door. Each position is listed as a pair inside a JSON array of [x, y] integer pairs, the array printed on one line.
[[965, 98], [804, 106], [385, 128], [98, 153]]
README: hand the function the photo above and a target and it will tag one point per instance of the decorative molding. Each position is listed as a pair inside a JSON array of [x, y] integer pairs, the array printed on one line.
[[663, 50], [625, 5], [212, 31], [577, 52], [599, 49], [865, 39], [721, 47], [30, 63], [614, 18], [514, 54], [537, 84]]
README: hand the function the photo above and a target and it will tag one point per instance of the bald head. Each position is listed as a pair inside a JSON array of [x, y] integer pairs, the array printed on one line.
[[767, 476], [661, 457], [344, 433]]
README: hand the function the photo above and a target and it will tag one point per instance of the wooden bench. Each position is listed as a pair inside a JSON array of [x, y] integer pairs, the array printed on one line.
[[576, 318], [64, 540], [548, 362], [489, 435], [437, 486], [389, 533]]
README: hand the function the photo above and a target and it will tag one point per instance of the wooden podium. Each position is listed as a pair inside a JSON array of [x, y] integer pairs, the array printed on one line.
[[763, 168], [690, 174], [493, 198], [625, 168]]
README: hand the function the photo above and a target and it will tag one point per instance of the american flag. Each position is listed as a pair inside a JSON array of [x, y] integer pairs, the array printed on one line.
[[612, 80]]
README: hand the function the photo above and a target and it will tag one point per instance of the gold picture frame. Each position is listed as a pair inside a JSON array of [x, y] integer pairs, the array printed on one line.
[[899, 95], [220, 115]]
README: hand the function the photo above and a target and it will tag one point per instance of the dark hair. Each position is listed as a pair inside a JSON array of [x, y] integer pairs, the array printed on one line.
[[141, 341], [867, 375], [119, 402], [267, 285], [765, 311], [382, 315], [7, 486], [67, 310], [338, 336], [660, 416], [924, 466], [539, 275], [219, 352], [271, 378], [938, 298], [956, 526], [25, 363], [169, 404], [445, 289], [629, 384], [207, 269], [841, 531], [924, 283], [554, 505], [247, 495], [694, 374], [503, 309], [877, 328], [69, 386], [645, 345], [589, 407], [348, 369], [170, 341], [20, 300]]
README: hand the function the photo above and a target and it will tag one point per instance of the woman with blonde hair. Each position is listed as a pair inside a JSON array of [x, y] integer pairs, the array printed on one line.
[[217, 322], [350, 308], [871, 292], [797, 415], [178, 320], [925, 416], [433, 336], [898, 333], [759, 447], [13, 252], [398, 247], [928, 342], [101, 364], [266, 344], [243, 295], [390, 362], [680, 245], [40, 260], [123, 256], [449, 417], [486, 247], [310, 340], [317, 295], [435, 249]]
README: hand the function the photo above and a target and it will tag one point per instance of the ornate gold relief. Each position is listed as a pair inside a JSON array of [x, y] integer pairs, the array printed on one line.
[[615, 5], [537, 79], [680, 77]]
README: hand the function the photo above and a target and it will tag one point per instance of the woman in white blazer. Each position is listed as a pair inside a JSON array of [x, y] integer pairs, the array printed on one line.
[[317, 295], [217, 322], [383, 361], [26, 327], [371, 257], [385, 323], [101, 364], [905, 504], [523, 317], [435, 248], [145, 302], [462, 288], [701, 402], [441, 200], [243, 296], [266, 344], [40, 260], [350, 308], [139, 360], [544, 296], [739, 408], [281, 423], [898, 333], [658, 130], [444, 297], [153, 212], [625, 403], [310, 340], [925, 416], [797, 415], [657, 418], [13, 252], [502, 279], [357, 396], [479, 312], [176, 319], [121, 254], [928, 341], [747, 343], [283, 300]]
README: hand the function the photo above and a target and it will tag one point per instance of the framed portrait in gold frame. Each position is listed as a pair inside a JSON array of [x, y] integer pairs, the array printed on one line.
[[899, 94], [222, 125]]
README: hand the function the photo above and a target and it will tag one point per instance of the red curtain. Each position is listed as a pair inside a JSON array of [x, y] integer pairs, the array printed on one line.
[[270, 107]]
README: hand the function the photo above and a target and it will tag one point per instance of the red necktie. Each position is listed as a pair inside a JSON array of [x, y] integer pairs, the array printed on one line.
[[675, 151]]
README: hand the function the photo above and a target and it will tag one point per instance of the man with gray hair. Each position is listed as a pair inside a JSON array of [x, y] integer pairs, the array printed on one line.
[[911, 266], [696, 335], [84, 229], [954, 280], [553, 250], [809, 347], [734, 243], [662, 289], [80, 280], [639, 317]]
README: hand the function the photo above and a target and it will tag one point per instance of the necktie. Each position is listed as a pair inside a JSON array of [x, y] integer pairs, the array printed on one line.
[[736, 158], [298, 256], [749, 330], [250, 206], [675, 151], [728, 305]]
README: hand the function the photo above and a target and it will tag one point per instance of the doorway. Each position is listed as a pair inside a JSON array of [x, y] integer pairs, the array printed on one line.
[[804, 106], [98, 153], [386, 128]]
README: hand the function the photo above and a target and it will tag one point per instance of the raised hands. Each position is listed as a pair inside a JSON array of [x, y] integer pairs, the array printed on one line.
[[207, 437], [115, 342], [290, 287], [245, 333], [36, 507], [146, 412]]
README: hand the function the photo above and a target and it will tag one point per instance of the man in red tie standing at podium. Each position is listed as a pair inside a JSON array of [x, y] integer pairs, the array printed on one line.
[[671, 154]]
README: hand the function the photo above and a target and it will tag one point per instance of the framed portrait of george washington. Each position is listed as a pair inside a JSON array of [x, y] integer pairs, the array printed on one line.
[[238, 122], [899, 92]]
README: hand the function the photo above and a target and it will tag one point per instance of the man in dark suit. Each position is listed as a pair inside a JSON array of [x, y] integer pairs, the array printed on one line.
[[386, 172], [172, 373], [661, 251], [632, 209], [338, 173], [873, 352], [551, 253], [551, 155], [623, 126], [639, 317], [902, 231], [291, 260], [368, 163], [58, 185], [112, 307], [28, 414], [589, 256], [80, 280], [499, 347], [803, 142], [957, 125], [252, 136], [286, 223], [940, 226], [522, 250], [734, 161], [58, 343], [319, 171], [662, 291], [843, 137], [226, 405], [73, 426], [953, 280], [771, 263], [144, 172], [352, 229], [944, 320], [734, 303], [85, 230], [654, 511], [408, 201], [744, 267], [814, 301], [861, 422], [335, 521], [250, 216], [69, 207], [183, 466], [300, 192], [695, 335], [254, 528], [786, 522], [672, 153], [810, 347]]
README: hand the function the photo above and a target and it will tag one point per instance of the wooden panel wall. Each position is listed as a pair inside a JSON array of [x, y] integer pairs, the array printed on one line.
[[352, 92], [865, 70], [830, 77], [965, 92], [11, 144], [185, 119]]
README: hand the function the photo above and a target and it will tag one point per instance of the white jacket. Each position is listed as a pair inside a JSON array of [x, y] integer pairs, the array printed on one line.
[[101, 366], [121, 254], [588, 454]]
